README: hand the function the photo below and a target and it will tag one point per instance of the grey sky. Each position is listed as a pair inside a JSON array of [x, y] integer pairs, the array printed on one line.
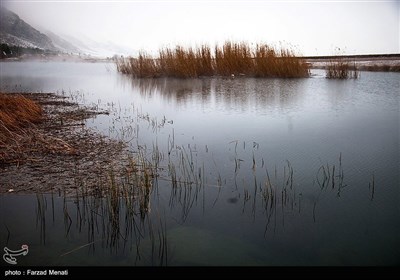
[[312, 27]]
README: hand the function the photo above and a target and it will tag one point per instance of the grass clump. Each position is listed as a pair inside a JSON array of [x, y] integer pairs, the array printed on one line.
[[229, 59], [17, 111], [341, 68], [18, 115]]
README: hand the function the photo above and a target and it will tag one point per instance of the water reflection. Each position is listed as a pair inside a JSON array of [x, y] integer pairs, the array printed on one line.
[[82, 229], [239, 95]]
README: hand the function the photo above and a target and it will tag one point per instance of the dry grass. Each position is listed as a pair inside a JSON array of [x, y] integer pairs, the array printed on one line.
[[23, 127], [59, 152], [17, 111], [19, 134], [230, 59], [18, 115]]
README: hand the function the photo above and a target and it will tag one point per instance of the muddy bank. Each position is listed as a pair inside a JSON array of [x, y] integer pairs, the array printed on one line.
[[60, 154]]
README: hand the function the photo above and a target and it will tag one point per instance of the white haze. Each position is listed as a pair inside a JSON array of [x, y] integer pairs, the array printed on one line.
[[311, 27]]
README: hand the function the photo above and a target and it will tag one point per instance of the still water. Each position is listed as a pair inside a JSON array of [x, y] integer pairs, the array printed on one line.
[[267, 171]]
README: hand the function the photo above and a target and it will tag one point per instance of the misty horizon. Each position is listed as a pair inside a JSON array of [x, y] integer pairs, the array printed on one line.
[[310, 28]]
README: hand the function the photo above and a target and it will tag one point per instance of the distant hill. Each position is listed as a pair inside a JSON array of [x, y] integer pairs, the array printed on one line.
[[62, 45], [16, 32], [17, 37]]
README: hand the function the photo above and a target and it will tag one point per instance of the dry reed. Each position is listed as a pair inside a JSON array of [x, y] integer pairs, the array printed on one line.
[[17, 115], [231, 59], [341, 68], [23, 128], [17, 111]]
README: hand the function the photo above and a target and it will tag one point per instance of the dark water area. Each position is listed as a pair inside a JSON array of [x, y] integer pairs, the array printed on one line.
[[250, 172]]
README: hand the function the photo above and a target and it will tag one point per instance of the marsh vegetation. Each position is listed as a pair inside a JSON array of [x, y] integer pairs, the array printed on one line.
[[229, 60], [341, 68]]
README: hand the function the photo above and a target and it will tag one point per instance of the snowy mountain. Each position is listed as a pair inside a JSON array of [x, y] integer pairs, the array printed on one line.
[[96, 48], [15, 31], [63, 45]]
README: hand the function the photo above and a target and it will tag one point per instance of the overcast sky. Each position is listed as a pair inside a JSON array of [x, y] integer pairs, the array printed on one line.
[[312, 27]]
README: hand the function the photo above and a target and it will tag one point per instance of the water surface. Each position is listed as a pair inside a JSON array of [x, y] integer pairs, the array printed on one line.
[[269, 171]]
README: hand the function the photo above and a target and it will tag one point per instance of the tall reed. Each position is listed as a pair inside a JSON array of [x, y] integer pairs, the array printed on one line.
[[229, 59]]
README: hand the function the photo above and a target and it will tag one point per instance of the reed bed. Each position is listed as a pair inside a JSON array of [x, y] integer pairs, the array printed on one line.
[[229, 60], [341, 68]]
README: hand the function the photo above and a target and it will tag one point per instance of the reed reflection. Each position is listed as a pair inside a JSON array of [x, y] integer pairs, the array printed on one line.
[[226, 94]]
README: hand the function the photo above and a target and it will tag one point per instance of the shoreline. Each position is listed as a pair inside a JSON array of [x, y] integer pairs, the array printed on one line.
[[378, 63], [60, 154]]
